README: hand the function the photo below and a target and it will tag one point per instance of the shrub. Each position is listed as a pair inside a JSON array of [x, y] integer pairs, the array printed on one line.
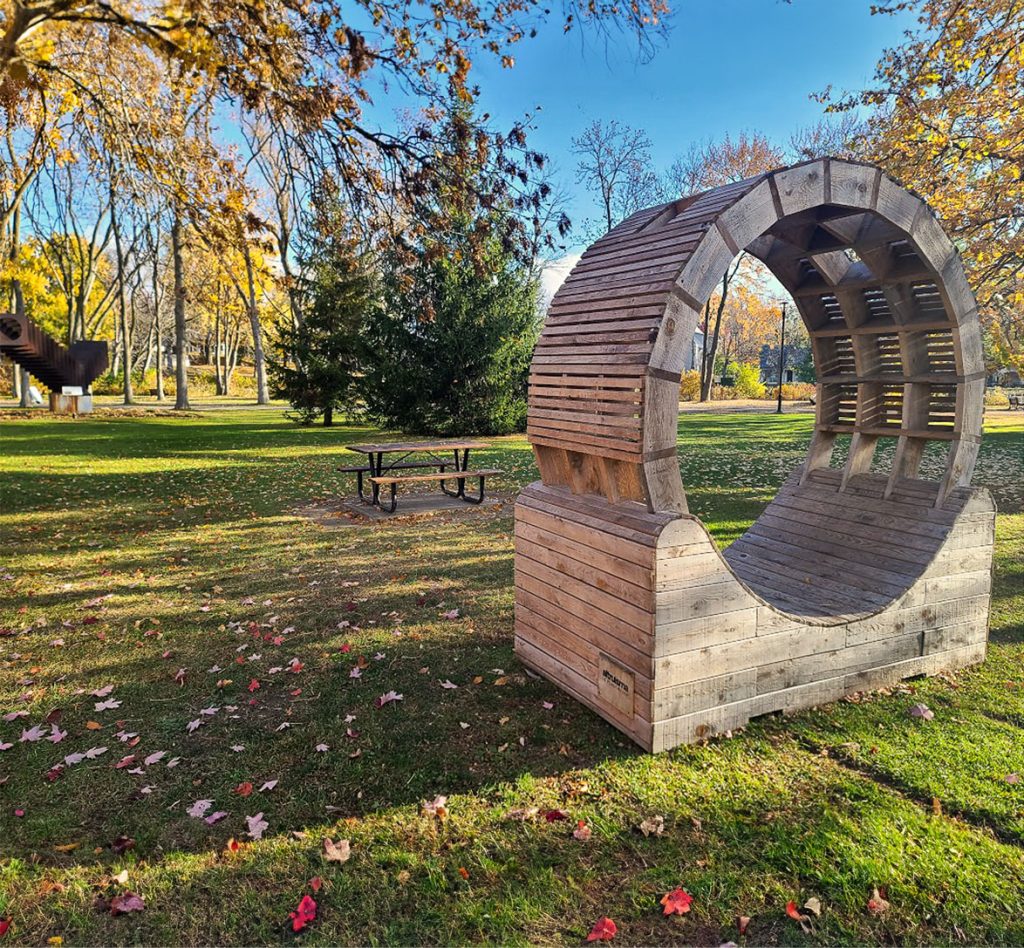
[[797, 391], [689, 387], [996, 397], [748, 381]]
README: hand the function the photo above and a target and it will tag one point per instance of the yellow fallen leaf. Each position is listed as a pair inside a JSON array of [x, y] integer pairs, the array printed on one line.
[[66, 847], [93, 726]]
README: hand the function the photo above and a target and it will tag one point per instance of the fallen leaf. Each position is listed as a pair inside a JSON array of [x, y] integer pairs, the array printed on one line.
[[243, 789], [813, 905], [921, 711], [93, 726], [268, 785], [653, 826], [741, 924], [604, 930], [582, 831], [387, 698], [339, 851], [257, 825], [437, 807], [794, 913], [523, 814], [215, 817], [315, 883], [5, 926], [1012, 778], [304, 914], [677, 902], [552, 815], [122, 844], [876, 904], [199, 808], [126, 902]]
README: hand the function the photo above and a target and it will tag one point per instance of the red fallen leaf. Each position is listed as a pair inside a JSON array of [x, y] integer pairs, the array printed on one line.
[[677, 902], [244, 788], [346, 648], [126, 902], [315, 883], [741, 924], [464, 872], [254, 685], [5, 926], [55, 773], [304, 914], [604, 930], [90, 620], [794, 913], [233, 845], [553, 815], [240, 660]]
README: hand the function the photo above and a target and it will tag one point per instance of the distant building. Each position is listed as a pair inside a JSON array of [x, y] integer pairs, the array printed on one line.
[[696, 352], [796, 357]]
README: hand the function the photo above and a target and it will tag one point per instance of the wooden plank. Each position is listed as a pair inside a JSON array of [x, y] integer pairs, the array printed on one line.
[[605, 559]]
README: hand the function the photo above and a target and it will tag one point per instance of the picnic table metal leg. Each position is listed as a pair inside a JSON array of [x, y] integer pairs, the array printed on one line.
[[445, 490], [394, 500], [473, 500], [375, 471]]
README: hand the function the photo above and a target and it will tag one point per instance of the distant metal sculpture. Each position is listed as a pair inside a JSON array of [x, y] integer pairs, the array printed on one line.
[[25, 344], [850, 579]]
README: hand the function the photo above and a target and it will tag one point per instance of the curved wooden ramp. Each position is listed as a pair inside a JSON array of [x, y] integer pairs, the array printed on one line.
[[851, 578]]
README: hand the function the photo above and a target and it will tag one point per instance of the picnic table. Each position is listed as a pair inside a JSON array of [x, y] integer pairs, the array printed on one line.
[[451, 458]]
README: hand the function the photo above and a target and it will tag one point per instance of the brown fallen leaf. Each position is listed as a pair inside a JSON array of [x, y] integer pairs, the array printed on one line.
[[337, 851]]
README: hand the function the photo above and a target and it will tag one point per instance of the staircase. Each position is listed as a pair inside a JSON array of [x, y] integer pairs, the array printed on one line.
[[24, 343]]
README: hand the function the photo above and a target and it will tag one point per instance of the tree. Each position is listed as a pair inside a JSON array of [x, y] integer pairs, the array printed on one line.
[[947, 122], [316, 363], [615, 165], [450, 353], [325, 65], [710, 165]]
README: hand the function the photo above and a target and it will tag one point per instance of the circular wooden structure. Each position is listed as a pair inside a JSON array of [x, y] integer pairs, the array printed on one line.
[[852, 576]]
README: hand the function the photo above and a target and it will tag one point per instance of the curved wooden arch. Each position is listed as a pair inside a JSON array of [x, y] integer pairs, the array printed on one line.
[[605, 541]]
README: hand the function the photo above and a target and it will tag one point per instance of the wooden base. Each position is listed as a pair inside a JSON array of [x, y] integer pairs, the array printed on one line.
[[641, 618]]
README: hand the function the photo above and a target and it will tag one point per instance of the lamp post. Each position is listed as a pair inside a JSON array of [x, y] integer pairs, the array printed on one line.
[[782, 357]]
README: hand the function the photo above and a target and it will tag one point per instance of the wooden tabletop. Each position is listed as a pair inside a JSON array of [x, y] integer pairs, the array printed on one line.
[[405, 446]]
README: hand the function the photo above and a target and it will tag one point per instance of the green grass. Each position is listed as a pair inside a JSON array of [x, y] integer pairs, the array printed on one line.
[[189, 526]]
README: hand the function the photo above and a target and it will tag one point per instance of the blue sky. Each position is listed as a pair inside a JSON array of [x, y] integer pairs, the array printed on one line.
[[727, 66]]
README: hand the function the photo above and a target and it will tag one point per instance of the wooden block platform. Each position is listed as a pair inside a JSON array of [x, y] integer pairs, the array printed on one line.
[[639, 616]]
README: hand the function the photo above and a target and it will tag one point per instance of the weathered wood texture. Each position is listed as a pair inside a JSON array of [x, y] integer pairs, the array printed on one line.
[[850, 579]]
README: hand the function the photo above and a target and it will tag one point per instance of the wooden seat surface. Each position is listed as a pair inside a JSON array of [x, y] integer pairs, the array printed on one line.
[[818, 552]]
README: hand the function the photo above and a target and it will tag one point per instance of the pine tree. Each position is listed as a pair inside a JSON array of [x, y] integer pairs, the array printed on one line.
[[316, 364], [449, 352]]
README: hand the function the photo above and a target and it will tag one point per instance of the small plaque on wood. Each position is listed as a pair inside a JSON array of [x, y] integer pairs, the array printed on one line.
[[615, 684]]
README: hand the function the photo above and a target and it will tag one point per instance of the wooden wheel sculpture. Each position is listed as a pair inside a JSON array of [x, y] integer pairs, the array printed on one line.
[[853, 577]]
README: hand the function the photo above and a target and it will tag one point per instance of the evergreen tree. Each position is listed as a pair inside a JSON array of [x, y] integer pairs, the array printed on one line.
[[316, 364], [449, 353]]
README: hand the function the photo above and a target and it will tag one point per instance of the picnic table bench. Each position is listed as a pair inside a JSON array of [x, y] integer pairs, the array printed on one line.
[[1016, 400], [381, 469]]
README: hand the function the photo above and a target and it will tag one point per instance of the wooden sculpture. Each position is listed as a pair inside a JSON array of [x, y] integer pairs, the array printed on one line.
[[852, 578]]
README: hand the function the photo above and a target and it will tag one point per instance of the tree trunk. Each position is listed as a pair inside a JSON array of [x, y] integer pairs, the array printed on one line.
[[217, 360], [18, 301], [262, 391], [126, 333], [328, 416], [157, 329], [180, 329]]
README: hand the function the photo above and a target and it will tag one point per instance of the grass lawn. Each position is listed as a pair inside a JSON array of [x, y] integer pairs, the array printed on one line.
[[159, 561]]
